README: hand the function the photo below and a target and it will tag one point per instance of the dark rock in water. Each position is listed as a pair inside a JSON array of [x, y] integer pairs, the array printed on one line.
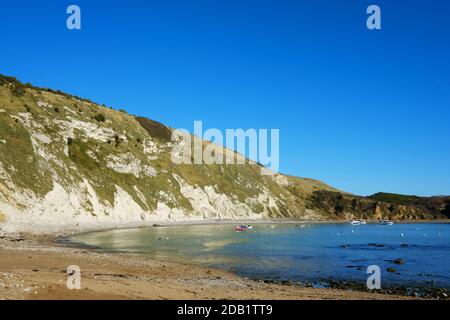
[[345, 246], [422, 292], [357, 267], [378, 245], [390, 269], [404, 245], [399, 261]]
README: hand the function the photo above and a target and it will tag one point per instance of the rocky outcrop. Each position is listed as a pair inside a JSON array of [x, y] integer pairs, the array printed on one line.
[[344, 206]]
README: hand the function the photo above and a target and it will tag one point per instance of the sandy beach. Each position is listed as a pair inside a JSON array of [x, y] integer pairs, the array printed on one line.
[[34, 267]]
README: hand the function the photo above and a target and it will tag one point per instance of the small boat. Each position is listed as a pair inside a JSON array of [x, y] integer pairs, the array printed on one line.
[[243, 227], [386, 223], [357, 222]]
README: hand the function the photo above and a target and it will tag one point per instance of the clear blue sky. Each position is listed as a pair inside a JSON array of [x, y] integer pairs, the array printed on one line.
[[362, 110]]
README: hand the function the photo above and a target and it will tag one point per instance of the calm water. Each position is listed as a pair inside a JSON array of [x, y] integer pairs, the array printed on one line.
[[297, 252]]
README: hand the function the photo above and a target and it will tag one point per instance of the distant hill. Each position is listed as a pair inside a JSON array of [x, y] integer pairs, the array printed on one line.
[[65, 159], [438, 205]]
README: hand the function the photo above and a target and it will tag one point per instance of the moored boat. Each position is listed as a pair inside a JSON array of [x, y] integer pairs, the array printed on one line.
[[357, 222], [386, 223], [243, 227]]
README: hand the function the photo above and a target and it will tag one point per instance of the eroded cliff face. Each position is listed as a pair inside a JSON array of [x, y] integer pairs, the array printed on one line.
[[66, 160]]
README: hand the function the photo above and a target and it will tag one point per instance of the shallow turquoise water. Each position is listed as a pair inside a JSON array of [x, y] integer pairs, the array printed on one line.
[[297, 252]]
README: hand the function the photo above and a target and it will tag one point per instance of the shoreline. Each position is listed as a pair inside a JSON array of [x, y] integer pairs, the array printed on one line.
[[425, 292], [123, 272], [77, 228], [34, 267]]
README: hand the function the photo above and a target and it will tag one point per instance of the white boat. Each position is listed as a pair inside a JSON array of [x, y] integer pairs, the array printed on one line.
[[386, 223], [355, 222]]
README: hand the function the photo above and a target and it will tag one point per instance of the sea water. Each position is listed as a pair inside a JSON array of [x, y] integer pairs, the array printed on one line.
[[300, 252]]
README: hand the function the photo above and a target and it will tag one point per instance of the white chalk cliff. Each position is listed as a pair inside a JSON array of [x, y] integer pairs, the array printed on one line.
[[66, 160]]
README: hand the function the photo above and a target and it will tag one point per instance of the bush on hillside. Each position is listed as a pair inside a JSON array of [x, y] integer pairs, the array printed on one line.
[[100, 117]]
